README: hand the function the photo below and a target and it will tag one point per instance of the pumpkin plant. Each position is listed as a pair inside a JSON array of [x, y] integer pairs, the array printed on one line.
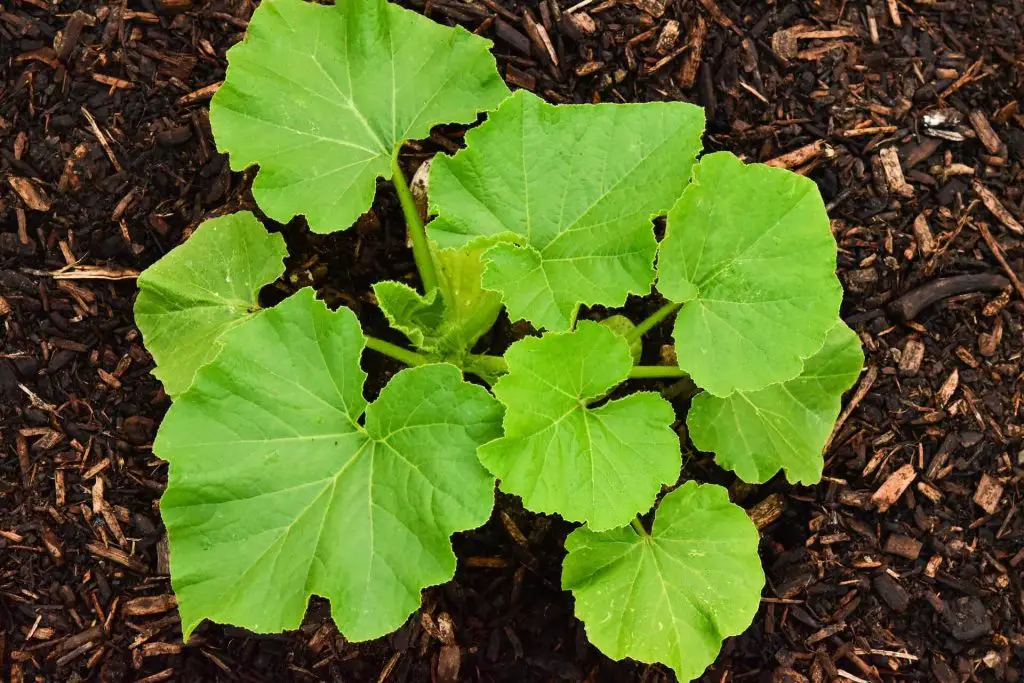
[[286, 482]]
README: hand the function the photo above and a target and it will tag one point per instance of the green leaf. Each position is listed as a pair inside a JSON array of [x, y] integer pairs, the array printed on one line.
[[673, 596], [784, 425], [570, 192], [201, 289], [595, 465], [322, 97], [749, 252], [446, 323], [277, 492], [623, 327]]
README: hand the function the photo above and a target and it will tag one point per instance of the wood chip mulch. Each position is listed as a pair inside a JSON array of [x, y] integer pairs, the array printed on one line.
[[906, 562]]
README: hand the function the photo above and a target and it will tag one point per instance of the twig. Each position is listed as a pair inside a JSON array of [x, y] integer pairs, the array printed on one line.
[[862, 390], [103, 140], [998, 253]]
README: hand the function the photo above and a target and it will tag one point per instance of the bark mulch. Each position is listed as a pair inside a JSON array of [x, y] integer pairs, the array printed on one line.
[[904, 564]]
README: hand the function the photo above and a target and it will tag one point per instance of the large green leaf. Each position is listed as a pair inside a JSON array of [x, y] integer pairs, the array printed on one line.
[[596, 465], [570, 192], [673, 596], [749, 252], [445, 323], [276, 491], [321, 97], [201, 289], [784, 425]]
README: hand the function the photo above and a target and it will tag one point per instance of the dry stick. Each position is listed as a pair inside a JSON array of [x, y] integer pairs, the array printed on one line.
[[998, 253], [103, 140], [862, 390]]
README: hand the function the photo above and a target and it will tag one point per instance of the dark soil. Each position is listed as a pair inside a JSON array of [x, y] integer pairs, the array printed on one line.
[[913, 113]]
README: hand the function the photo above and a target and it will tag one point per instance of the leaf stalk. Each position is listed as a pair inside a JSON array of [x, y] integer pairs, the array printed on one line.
[[638, 527], [397, 352], [414, 224], [652, 320]]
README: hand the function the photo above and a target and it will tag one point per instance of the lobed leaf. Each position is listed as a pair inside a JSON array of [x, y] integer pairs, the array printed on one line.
[[749, 252], [569, 192], [277, 492], [672, 596], [447, 322], [595, 465], [322, 97], [200, 290], [783, 426]]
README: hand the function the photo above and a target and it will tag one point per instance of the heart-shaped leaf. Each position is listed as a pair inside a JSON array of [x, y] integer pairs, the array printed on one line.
[[597, 465], [749, 252], [570, 191], [277, 492], [322, 97], [784, 425], [672, 596], [201, 289]]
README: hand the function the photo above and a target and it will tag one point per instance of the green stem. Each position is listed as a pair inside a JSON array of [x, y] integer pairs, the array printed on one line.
[[420, 246], [397, 352], [638, 526], [652, 320], [656, 372]]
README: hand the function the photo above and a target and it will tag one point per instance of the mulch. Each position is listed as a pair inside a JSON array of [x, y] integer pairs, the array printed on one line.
[[905, 563]]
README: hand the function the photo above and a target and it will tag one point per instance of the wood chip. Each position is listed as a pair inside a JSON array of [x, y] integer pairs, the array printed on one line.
[[923, 235], [767, 511], [33, 195], [947, 389], [988, 493], [913, 354], [668, 37], [698, 33], [800, 156], [890, 491], [904, 546], [117, 556], [985, 132], [996, 207], [890, 162]]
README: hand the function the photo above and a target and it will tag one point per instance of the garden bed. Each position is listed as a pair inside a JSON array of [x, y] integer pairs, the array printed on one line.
[[904, 563]]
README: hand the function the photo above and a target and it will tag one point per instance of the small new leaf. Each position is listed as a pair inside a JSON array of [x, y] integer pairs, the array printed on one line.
[[674, 596], [447, 322], [201, 289], [749, 252], [276, 491], [570, 192], [784, 425], [596, 465], [322, 97]]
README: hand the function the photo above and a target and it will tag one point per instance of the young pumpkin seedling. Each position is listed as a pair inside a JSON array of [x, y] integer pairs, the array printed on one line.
[[285, 482]]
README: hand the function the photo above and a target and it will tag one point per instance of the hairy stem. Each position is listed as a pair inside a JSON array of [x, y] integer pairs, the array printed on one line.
[[638, 526], [652, 320], [397, 352], [420, 246]]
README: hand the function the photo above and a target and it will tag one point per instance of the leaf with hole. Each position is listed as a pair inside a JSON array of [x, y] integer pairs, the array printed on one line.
[[675, 595], [567, 193], [202, 289], [322, 97], [749, 252], [277, 491], [783, 426], [595, 464]]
